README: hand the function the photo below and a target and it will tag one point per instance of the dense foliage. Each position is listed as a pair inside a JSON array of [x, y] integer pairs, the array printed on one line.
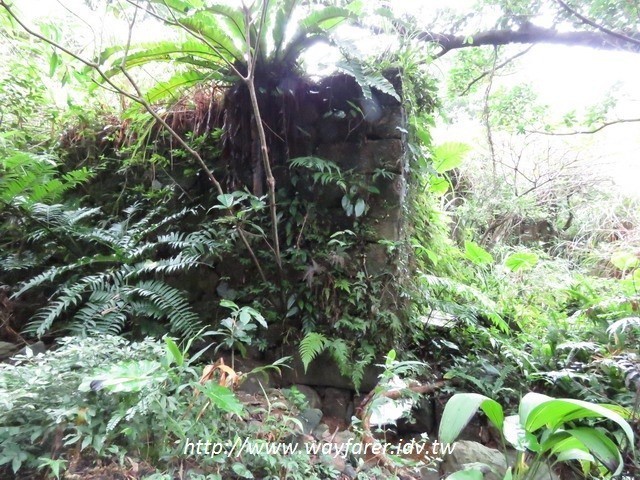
[[171, 192]]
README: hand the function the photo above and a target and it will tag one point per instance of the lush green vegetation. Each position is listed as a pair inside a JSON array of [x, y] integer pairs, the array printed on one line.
[[160, 210]]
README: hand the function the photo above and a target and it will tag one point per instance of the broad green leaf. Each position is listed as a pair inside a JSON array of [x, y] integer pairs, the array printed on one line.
[[476, 253], [624, 260], [574, 454], [521, 261], [174, 351], [182, 6], [557, 442], [242, 471], [357, 7], [164, 51], [391, 357], [461, 408], [226, 200], [222, 397], [528, 403], [538, 410], [228, 304], [231, 20], [125, 377], [472, 474], [625, 413], [422, 132], [439, 186], [54, 63], [324, 19], [517, 436], [211, 28], [257, 316], [556, 412], [275, 24], [359, 208], [175, 86], [449, 155], [562, 441], [602, 448]]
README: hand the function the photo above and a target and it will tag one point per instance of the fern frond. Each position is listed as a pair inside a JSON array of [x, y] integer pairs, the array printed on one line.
[[460, 300], [367, 355], [311, 346], [54, 272], [458, 289], [173, 239], [340, 353], [620, 326], [367, 80], [180, 263], [26, 179], [21, 261], [105, 312], [44, 318], [165, 220], [46, 276], [171, 302], [325, 171]]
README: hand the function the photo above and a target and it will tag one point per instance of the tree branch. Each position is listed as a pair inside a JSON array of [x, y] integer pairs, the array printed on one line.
[[587, 132], [495, 69], [364, 412], [486, 114], [591, 23], [532, 34]]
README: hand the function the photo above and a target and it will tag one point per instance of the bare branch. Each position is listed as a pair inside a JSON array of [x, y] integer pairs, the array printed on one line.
[[587, 132], [597, 26], [249, 80], [496, 68], [530, 34], [486, 114], [364, 412]]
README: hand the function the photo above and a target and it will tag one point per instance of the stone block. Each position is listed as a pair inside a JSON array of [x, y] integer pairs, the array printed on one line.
[[365, 157], [466, 453], [324, 372], [377, 260], [312, 397], [337, 403], [310, 419], [386, 224], [393, 190], [390, 124]]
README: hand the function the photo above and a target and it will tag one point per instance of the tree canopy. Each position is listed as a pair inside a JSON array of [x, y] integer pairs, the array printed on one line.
[[598, 24]]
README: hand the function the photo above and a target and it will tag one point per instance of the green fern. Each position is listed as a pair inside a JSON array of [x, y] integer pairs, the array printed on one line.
[[367, 356], [312, 345], [461, 300], [367, 80], [219, 39], [27, 179], [341, 353], [171, 302], [118, 280], [325, 171]]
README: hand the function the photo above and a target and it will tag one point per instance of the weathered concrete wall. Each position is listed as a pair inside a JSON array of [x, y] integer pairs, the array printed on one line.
[[368, 142], [329, 119]]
